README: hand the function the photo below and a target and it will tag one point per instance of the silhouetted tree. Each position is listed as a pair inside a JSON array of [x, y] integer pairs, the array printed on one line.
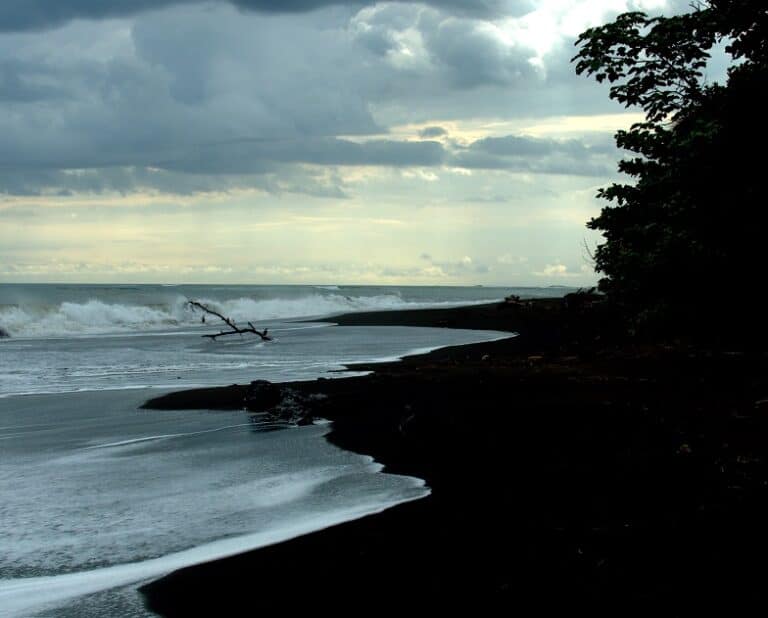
[[691, 222]]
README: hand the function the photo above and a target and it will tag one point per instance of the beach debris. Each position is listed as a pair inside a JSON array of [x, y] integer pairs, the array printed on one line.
[[234, 328], [282, 403]]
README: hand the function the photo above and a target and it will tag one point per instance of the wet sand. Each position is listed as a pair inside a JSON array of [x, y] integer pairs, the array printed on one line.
[[572, 469]]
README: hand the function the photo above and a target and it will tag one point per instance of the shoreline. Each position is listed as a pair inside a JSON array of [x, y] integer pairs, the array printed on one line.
[[566, 468]]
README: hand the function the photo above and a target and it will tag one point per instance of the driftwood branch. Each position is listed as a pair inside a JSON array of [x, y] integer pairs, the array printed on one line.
[[234, 328]]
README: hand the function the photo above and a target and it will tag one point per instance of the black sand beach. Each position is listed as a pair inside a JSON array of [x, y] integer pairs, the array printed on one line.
[[570, 469]]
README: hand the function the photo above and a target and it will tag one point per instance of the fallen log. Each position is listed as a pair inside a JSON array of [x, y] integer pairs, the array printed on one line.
[[234, 328]]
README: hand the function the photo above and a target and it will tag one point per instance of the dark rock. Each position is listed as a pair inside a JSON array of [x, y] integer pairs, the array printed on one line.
[[4, 333], [282, 403], [262, 396], [295, 407]]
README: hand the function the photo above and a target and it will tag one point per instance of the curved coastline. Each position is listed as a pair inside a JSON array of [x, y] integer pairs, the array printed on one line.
[[471, 317], [568, 468]]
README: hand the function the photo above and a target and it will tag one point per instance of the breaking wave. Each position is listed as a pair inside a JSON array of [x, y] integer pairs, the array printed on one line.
[[96, 316]]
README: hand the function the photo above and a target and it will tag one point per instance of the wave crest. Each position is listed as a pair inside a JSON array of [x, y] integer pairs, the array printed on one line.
[[95, 316]]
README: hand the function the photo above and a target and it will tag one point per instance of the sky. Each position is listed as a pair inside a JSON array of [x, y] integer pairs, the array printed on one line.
[[302, 141]]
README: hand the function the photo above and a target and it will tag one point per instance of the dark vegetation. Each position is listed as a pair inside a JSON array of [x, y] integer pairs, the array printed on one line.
[[689, 228]]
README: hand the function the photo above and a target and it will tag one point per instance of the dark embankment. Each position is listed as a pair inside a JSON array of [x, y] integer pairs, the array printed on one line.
[[569, 470]]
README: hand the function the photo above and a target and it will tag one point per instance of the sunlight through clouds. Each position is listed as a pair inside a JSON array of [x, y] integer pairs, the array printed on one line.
[[342, 135]]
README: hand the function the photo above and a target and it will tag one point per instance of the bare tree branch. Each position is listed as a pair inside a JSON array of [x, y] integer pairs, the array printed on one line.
[[234, 328]]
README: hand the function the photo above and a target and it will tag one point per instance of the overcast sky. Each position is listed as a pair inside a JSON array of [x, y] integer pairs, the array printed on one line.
[[291, 141]]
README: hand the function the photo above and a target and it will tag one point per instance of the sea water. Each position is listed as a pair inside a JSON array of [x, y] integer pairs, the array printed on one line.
[[98, 496]]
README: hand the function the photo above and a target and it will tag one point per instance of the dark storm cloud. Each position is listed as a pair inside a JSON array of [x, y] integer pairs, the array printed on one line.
[[250, 156], [294, 166], [36, 182], [265, 164], [460, 53], [471, 7], [204, 97], [536, 155], [19, 15], [432, 132], [128, 180], [474, 56], [512, 145]]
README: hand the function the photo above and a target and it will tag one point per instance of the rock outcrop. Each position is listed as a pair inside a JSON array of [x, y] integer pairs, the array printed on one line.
[[282, 403]]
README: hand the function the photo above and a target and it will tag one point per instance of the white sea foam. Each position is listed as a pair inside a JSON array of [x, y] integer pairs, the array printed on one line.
[[20, 597], [166, 436], [93, 316], [96, 316]]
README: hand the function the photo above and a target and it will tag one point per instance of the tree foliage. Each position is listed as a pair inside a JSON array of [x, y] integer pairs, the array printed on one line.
[[691, 219]]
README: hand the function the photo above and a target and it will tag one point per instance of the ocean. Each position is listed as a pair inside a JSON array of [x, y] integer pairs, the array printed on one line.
[[98, 496]]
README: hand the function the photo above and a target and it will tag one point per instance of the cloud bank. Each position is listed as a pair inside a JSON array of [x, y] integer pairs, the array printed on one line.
[[465, 112]]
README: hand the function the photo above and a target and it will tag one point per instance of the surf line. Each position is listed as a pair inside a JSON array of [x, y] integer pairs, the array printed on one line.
[[165, 436], [19, 597]]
